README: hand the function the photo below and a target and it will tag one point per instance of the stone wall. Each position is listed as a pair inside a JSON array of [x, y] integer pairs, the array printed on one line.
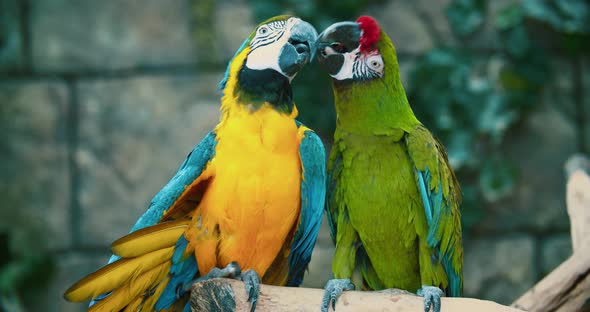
[[105, 98]]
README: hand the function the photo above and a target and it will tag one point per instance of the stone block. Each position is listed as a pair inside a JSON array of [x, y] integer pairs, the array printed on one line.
[[403, 25], [488, 36], [233, 23], [555, 250], [35, 183], [434, 14], [320, 266], [11, 39], [499, 269], [538, 148], [406, 65], [71, 266], [70, 35], [134, 134]]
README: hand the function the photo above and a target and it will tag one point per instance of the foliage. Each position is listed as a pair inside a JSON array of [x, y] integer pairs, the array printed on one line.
[[25, 264], [472, 103]]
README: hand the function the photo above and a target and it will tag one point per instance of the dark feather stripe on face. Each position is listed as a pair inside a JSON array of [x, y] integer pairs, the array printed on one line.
[[362, 71], [275, 31]]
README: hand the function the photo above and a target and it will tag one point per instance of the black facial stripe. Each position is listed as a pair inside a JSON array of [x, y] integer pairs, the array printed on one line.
[[362, 71], [266, 41], [277, 25], [275, 31], [356, 66]]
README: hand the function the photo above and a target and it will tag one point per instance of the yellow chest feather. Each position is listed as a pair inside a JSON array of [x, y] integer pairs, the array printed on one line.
[[253, 200]]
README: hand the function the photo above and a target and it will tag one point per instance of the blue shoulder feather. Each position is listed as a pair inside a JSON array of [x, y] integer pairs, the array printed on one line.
[[313, 192], [190, 170]]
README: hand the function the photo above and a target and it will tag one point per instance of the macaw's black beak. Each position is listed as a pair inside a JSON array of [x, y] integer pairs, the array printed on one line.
[[300, 48], [334, 41]]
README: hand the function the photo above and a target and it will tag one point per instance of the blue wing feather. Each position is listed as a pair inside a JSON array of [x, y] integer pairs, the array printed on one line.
[[313, 192], [434, 208], [190, 170], [332, 183], [182, 273]]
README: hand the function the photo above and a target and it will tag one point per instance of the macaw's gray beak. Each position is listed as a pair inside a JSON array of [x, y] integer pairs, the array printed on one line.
[[300, 48], [334, 41]]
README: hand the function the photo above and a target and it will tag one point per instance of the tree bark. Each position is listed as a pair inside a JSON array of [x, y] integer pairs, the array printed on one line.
[[230, 295]]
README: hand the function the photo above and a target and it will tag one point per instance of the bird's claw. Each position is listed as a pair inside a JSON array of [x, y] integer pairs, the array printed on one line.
[[233, 270], [333, 290], [252, 283], [431, 295]]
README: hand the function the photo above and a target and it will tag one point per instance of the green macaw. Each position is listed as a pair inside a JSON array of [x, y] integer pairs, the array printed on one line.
[[392, 198]]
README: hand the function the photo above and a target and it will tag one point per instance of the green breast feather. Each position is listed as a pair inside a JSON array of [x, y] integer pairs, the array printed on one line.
[[377, 216]]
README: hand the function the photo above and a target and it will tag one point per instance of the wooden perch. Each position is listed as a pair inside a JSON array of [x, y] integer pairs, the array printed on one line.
[[230, 295], [568, 286]]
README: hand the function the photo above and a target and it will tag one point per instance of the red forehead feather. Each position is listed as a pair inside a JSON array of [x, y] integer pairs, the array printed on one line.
[[371, 33]]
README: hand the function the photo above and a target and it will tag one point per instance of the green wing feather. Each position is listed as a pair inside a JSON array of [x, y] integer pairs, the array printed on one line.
[[441, 197]]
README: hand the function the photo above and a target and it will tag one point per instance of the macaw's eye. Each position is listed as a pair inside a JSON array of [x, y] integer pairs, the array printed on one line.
[[263, 30], [338, 47], [375, 62]]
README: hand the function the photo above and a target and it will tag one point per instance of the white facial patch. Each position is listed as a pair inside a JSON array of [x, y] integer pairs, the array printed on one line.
[[359, 66], [267, 45], [346, 71]]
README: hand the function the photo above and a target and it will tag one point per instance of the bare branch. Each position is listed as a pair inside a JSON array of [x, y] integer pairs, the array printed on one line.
[[230, 295]]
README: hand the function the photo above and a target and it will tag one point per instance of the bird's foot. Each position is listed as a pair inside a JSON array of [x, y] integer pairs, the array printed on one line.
[[233, 270], [431, 295], [333, 290], [252, 283]]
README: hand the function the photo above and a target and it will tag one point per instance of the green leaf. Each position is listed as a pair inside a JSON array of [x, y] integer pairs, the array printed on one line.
[[516, 41], [509, 17], [466, 16], [569, 16], [471, 209], [496, 117], [575, 15], [458, 147], [26, 273], [496, 180]]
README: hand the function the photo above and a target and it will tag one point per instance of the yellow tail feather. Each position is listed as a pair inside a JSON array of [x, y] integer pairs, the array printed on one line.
[[133, 306], [150, 302], [126, 293], [115, 274], [149, 239]]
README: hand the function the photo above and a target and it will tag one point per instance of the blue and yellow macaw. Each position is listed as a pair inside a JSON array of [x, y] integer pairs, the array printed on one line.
[[251, 192]]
